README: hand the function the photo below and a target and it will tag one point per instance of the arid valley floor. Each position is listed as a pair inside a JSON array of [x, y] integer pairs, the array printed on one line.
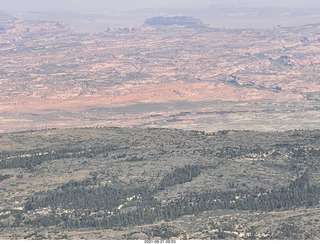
[[189, 77]]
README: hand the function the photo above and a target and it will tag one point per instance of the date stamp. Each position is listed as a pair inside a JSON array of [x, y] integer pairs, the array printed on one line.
[[160, 241]]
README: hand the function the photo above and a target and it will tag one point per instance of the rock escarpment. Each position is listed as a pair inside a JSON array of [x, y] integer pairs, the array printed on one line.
[[184, 21]]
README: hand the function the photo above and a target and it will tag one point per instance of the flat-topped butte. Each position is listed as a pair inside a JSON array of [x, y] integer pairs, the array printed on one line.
[[185, 21]]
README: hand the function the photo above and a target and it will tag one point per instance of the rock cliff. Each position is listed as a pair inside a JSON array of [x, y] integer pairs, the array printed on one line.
[[185, 21]]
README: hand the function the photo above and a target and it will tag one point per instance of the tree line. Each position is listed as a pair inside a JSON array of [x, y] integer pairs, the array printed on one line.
[[99, 206], [29, 159]]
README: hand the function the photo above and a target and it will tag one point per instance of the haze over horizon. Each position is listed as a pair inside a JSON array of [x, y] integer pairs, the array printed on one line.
[[125, 5]]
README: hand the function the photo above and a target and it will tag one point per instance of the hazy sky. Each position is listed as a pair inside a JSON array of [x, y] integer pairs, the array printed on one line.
[[118, 5]]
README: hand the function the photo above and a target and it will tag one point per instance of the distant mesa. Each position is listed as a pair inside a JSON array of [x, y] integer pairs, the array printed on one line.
[[26, 28], [185, 21], [5, 16], [161, 21], [120, 29]]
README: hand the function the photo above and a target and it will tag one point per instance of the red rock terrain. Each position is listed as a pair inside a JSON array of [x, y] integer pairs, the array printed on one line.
[[194, 78]]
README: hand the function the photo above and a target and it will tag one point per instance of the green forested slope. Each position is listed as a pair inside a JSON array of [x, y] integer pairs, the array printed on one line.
[[103, 179]]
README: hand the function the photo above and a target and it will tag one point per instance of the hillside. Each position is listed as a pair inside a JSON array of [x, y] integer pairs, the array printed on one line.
[[122, 183]]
